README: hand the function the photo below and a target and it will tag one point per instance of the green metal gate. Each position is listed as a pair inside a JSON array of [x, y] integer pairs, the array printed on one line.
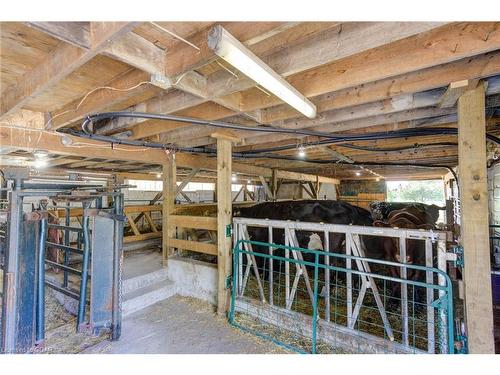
[[338, 302]]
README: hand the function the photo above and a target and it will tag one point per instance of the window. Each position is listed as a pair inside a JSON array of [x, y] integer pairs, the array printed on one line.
[[199, 186], [237, 187], [145, 185], [425, 191]]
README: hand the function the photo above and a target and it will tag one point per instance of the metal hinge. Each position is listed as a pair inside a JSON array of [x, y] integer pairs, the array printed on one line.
[[229, 282], [459, 251]]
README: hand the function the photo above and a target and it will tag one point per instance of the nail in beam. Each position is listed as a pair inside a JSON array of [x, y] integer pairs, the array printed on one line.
[[474, 223], [225, 141]]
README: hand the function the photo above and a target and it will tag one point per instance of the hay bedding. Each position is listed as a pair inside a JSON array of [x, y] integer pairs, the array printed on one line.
[[369, 319], [60, 330]]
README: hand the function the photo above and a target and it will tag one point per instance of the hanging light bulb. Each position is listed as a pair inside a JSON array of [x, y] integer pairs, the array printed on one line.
[[302, 152], [40, 163], [158, 175], [40, 154], [233, 178], [358, 173]]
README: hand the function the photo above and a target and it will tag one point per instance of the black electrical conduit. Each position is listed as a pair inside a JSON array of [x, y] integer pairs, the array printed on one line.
[[413, 132], [260, 153]]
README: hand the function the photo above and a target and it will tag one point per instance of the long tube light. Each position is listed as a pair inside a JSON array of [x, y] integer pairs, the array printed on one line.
[[233, 52]]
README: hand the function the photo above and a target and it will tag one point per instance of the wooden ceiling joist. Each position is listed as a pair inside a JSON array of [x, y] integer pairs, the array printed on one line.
[[286, 62], [65, 59], [362, 76]]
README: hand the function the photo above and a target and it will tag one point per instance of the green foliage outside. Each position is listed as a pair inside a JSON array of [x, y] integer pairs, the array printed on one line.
[[427, 191]]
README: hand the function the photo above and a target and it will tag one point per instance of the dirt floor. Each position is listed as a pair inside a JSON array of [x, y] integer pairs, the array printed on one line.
[[181, 325]]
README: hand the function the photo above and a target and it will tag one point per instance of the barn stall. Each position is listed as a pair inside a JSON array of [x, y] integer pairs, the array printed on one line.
[[132, 150]]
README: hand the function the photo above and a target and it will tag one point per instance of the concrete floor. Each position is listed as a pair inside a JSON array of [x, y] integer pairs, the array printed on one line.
[[181, 325]]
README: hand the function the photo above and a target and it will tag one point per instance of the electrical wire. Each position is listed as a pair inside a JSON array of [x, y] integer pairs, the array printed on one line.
[[394, 149], [338, 139], [330, 138]]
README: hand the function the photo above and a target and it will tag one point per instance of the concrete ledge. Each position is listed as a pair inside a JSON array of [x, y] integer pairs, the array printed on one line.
[[193, 278], [330, 333]]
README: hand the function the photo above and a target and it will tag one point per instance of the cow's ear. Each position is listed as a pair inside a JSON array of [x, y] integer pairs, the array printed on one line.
[[379, 223]]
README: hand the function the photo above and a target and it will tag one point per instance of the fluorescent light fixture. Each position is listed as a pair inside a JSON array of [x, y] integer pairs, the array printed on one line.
[[235, 53]]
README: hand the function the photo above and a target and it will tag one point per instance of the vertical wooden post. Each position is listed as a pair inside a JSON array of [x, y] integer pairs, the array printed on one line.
[[169, 178], [274, 184], [474, 212], [224, 217]]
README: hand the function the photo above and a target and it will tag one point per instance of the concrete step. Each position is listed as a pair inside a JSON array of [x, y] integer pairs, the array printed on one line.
[[146, 296], [142, 281]]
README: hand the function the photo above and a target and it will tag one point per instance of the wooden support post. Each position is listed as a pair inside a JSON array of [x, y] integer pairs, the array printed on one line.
[[474, 211], [274, 185], [224, 217], [169, 191]]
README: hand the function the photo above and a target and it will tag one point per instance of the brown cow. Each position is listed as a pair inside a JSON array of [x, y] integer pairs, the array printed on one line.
[[54, 235], [408, 218]]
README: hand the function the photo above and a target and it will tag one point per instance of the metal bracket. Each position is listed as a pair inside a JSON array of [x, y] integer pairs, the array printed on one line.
[[440, 303], [459, 251], [228, 282]]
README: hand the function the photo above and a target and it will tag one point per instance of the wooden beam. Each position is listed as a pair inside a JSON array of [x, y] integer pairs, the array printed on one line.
[[454, 91], [224, 219], [185, 58], [64, 60], [269, 193], [336, 154], [103, 99], [186, 181], [294, 59], [31, 139], [138, 52], [75, 33], [169, 188], [199, 247], [195, 222], [348, 38], [474, 223]]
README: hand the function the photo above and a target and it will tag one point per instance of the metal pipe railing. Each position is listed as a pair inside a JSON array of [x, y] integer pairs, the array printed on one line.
[[85, 268], [40, 305]]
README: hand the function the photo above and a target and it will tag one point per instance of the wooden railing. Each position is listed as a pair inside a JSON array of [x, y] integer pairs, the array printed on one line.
[[193, 222], [178, 224], [139, 230]]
